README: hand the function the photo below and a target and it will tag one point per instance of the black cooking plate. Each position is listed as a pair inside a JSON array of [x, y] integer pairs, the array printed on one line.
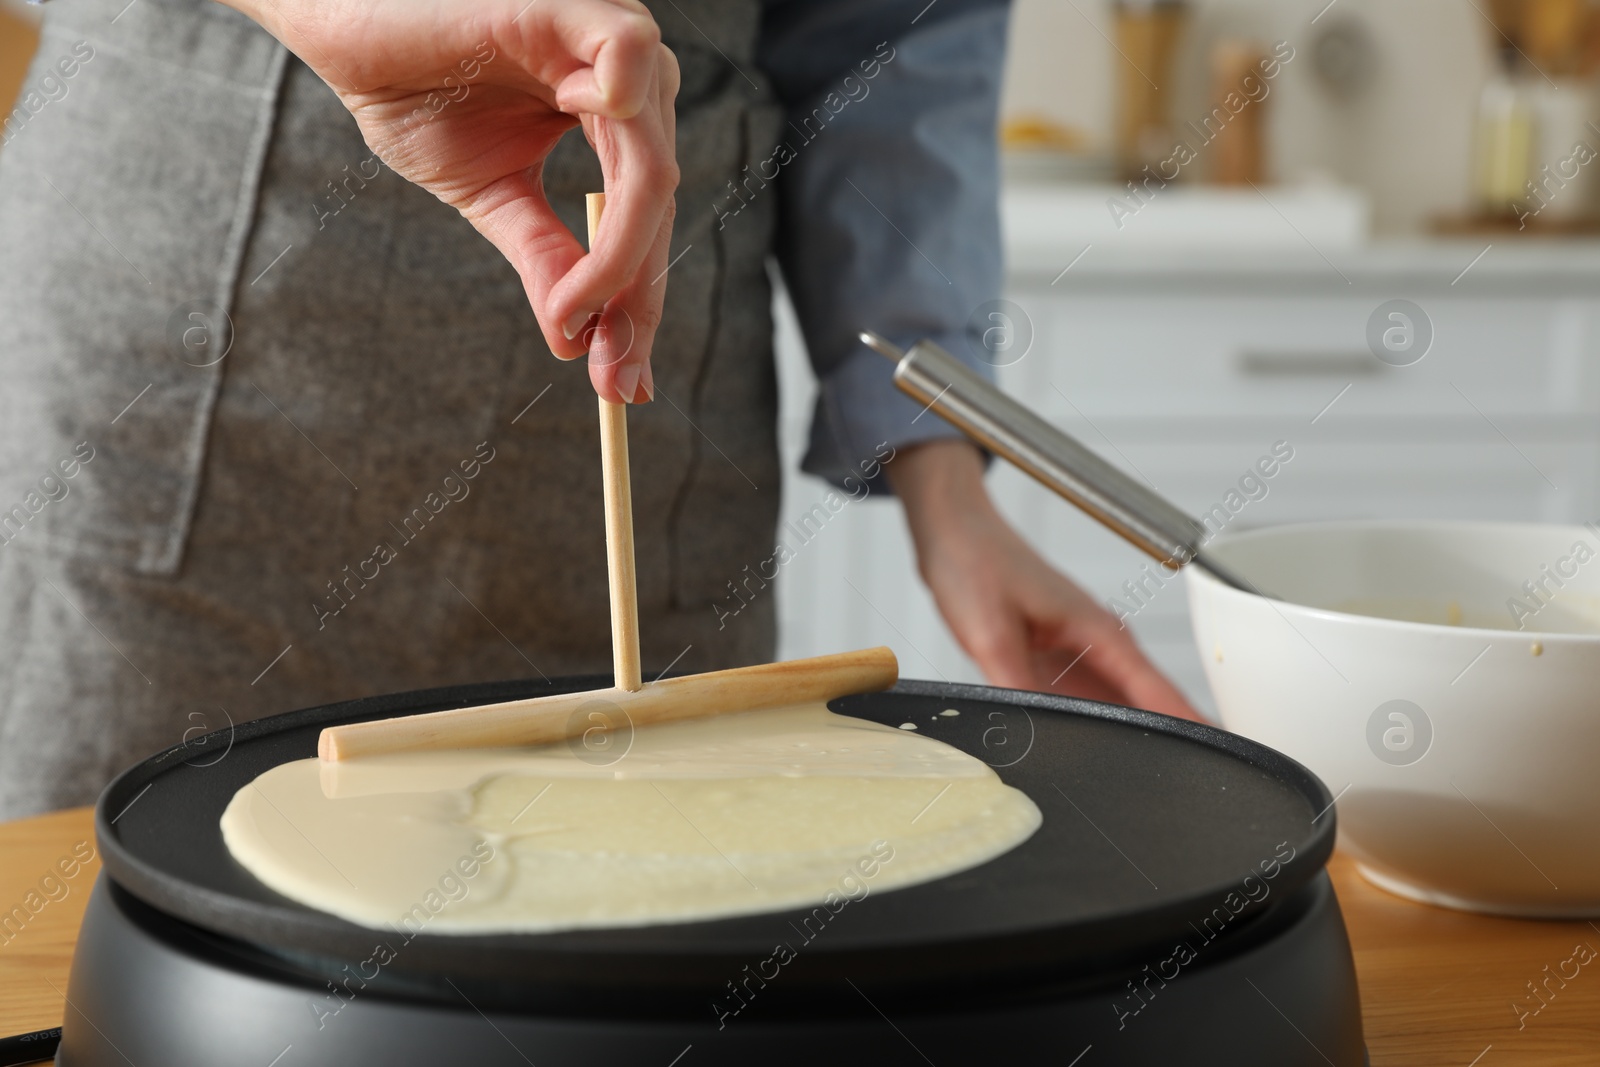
[[1152, 826]]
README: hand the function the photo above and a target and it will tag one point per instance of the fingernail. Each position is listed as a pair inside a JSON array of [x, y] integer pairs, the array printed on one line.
[[648, 380], [574, 326], [628, 383]]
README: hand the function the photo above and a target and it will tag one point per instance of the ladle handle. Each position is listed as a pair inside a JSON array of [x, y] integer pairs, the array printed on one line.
[[1056, 460]]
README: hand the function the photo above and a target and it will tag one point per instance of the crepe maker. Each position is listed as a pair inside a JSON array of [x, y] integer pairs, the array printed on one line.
[[1173, 903]]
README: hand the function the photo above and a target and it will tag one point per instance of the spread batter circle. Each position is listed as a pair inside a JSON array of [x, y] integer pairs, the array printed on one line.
[[701, 819]]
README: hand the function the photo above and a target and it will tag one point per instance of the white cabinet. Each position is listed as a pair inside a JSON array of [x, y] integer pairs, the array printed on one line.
[[1186, 367]]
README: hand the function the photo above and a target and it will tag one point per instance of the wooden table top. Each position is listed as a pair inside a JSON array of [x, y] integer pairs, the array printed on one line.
[[1438, 987]]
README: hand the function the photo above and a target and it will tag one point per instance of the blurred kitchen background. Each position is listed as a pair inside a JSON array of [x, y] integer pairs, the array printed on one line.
[[1345, 156], [1389, 159]]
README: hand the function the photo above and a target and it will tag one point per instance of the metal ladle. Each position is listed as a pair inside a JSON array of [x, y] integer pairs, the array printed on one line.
[[1057, 461]]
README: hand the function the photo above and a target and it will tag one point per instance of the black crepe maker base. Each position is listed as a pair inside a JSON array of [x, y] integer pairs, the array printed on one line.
[[1153, 919]]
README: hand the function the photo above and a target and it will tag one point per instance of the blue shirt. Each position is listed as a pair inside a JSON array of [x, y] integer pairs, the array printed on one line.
[[889, 199]]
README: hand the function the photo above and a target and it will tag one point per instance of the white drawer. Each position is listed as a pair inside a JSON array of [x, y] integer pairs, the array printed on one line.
[[1200, 357]]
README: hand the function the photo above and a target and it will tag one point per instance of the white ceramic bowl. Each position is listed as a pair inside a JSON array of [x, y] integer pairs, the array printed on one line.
[[1465, 753]]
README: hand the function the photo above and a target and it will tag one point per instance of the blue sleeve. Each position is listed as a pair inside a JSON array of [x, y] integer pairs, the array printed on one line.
[[888, 179]]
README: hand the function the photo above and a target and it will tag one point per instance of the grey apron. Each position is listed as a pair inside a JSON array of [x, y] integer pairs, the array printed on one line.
[[387, 482]]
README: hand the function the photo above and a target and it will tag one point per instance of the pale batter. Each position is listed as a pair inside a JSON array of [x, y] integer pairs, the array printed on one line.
[[703, 819]]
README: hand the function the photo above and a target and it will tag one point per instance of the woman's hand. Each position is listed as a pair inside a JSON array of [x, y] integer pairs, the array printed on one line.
[[467, 100], [1025, 624]]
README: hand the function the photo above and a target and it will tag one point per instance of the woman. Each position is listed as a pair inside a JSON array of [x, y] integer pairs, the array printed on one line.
[[315, 449]]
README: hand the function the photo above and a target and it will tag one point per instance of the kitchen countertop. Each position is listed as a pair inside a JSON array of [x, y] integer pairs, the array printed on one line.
[[1438, 987], [1543, 268], [1215, 247]]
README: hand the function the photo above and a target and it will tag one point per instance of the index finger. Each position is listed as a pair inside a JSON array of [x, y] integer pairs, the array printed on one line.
[[638, 159], [605, 55]]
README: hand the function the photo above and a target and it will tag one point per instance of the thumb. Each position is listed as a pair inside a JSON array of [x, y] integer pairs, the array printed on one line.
[[1110, 652], [997, 640], [1119, 660]]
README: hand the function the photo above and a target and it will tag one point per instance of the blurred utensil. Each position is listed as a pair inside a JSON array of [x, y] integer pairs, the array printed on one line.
[[1057, 461]]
